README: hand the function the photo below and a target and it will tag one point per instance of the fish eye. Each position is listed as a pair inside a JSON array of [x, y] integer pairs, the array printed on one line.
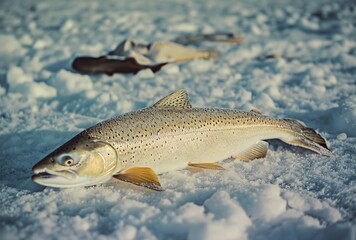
[[69, 161], [66, 160]]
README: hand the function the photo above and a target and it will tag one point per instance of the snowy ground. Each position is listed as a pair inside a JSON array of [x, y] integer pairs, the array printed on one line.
[[291, 194]]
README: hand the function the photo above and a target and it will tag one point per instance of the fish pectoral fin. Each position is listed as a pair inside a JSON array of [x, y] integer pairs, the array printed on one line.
[[212, 166], [141, 176], [258, 150]]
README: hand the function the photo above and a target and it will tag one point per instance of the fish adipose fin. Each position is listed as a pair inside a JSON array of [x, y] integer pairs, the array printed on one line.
[[307, 138], [178, 99], [258, 150], [212, 166], [141, 176], [256, 111]]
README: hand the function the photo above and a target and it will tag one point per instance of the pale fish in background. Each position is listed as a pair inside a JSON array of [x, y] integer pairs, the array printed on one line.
[[170, 135]]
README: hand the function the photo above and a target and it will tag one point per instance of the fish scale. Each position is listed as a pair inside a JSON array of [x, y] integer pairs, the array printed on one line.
[[171, 135]]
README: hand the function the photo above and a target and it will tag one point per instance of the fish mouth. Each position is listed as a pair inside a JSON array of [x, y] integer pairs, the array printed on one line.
[[61, 179], [47, 175], [43, 175]]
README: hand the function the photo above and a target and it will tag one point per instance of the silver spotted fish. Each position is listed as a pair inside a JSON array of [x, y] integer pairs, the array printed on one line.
[[170, 135]]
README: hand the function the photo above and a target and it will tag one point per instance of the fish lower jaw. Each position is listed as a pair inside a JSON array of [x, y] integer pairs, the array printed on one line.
[[46, 173], [43, 173], [50, 178]]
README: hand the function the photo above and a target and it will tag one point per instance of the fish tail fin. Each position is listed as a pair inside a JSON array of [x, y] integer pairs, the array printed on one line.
[[307, 138]]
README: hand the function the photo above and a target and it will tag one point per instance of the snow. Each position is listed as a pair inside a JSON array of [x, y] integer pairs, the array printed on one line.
[[297, 60], [23, 83], [9, 45], [69, 83]]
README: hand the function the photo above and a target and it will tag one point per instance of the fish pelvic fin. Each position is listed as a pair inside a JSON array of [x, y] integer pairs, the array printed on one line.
[[258, 150], [307, 138], [178, 99], [140, 176], [211, 166]]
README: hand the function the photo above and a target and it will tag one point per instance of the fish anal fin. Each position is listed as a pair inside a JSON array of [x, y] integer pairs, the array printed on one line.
[[212, 166], [141, 176], [258, 150], [178, 99]]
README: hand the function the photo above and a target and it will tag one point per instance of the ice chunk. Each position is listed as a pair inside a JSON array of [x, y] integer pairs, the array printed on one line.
[[200, 66], [170, 69], [312, 206], [230, 220], [68, 83], [42, 43], [264, 202], [68, 25], [145, 73], [224, 207], [2, 90], [26, 40], [342, 136], [16, 76], [34, 90], [10, 46], [342, 118], [184, 27], [127, 232], [217, 92], [263, 101], [188, 216]]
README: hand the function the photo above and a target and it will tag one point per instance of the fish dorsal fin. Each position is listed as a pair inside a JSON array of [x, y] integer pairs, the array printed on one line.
[[141, 176], [178, 99], [258, 150]]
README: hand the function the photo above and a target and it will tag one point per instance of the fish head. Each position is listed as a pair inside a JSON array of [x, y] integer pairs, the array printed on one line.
[[77, 163]]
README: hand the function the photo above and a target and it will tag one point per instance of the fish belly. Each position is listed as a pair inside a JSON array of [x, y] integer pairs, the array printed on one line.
[[174, 152]]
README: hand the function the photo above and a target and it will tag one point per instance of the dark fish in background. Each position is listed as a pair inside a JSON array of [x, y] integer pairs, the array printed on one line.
[[104, 65]]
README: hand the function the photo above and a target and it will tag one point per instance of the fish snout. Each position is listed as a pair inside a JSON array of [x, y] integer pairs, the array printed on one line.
[[41, 166]]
